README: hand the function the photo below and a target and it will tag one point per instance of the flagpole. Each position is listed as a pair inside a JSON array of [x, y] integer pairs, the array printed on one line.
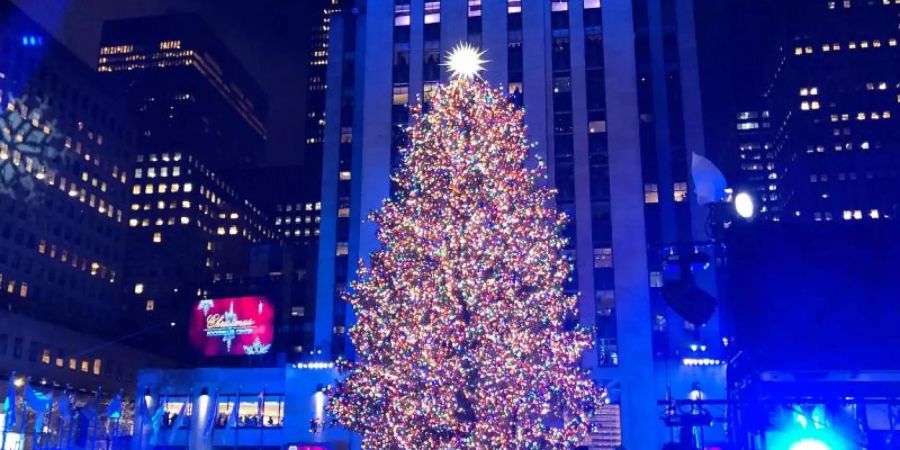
[[260, 413], [95, 420], [237, 416]]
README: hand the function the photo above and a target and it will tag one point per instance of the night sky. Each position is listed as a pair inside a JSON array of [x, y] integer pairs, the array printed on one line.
[[270, 38]]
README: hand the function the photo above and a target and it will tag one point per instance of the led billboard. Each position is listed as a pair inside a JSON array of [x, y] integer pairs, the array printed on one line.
[[235, 326]]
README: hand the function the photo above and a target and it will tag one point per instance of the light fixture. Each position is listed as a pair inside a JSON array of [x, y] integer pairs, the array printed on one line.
[[743, 205]]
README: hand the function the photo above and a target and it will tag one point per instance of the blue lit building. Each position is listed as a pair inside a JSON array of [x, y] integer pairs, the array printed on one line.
[[613, 99]]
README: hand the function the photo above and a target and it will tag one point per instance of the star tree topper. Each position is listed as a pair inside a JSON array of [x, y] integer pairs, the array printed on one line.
[[465, 61]]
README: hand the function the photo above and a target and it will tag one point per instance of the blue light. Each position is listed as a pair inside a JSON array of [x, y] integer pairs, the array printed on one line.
[[809, 444], [32, 40]]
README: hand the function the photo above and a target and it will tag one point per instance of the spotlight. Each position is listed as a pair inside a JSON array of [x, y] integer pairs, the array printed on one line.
[[809, 444], [743, 205]]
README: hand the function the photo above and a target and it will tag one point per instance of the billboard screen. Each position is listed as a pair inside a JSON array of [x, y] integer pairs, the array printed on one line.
[[234, 326]]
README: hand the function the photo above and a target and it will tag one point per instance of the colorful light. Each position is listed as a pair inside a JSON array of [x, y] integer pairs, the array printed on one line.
[[464, 335]]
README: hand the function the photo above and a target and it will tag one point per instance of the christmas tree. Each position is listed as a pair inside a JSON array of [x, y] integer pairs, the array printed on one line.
[[464, 335]]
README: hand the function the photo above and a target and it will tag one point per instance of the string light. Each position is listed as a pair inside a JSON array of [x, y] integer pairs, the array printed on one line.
[[464, 337]]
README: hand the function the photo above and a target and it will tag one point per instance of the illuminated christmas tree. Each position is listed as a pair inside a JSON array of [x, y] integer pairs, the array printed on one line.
[[464, 335]]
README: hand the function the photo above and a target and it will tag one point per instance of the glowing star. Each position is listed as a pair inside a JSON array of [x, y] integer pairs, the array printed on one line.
[[464, 61]]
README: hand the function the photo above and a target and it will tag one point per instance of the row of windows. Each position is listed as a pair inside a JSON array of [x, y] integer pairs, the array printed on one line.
[[14, 288], [96, 269], [835, 47], [651, 192], [874, 115]]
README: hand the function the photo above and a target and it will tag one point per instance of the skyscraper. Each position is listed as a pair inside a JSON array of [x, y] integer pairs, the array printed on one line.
[[67, 145], [833, 97], [612, 96], [200, 117]]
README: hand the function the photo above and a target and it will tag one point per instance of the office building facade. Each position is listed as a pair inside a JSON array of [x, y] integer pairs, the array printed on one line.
[[833, 97], [66, 155], [612, 97], [201, 120]]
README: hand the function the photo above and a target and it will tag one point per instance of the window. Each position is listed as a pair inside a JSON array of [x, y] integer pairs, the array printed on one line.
[[651, 193], [97, 366], [597, 126], [401, 95], [157, 237], [656, 279], [85, 366], [150, 305], [45, 356], [139, 288], [342, 249], [73, 364], [603, 257], [681, 189], [23, 289]]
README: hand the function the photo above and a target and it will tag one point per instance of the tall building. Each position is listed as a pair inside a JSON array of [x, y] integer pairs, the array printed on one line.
[[66, 153], [756, 159], [200, 117], [833, 97], [613, 100], [316, 85]]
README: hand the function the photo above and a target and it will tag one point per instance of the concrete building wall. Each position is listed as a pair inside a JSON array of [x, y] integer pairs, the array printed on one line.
[[606, 148]]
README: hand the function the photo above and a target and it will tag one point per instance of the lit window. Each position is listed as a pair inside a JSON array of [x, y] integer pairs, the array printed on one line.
[[651, 193], [136, 190], [73, 364], [344, 212], [23, 290], [603, 257], [220, 231], [874, 214], [233, 230], [97, 366], [150, 305], [342, 249], [148, 189], [139, 288], [132, 222], [401, 95], [157, 237], [345, 175], [188, 187], [185, 204], [681, 189], [45, 356], [597, 126], [85, 366], [185, 220]]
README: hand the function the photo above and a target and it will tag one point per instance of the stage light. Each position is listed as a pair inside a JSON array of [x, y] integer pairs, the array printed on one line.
[[743, 204], [809, 444]]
